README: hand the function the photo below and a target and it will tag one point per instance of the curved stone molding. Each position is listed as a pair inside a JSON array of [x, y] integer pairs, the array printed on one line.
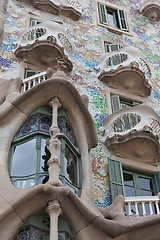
[[133, 133], [45, 44], [150, 9], [68, 8], [125, 69]]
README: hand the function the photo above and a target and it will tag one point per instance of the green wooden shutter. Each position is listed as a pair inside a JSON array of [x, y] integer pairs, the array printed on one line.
[[156, 179], [102, 13], [116, 177], [115, 101], [122, 20]]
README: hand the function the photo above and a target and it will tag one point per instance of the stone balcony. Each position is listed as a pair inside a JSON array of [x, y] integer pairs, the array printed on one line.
[[68, 8], [142, 206], [126, 70], [43, 45], [133, 133], [150, 9]]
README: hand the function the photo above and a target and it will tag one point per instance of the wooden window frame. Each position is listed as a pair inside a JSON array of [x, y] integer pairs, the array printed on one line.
[[118, 9]]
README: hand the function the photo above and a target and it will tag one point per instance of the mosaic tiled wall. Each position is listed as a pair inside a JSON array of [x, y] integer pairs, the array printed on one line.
[[86, 35]]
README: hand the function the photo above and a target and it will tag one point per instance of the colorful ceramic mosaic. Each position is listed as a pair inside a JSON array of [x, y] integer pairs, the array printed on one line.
[[87, 37]]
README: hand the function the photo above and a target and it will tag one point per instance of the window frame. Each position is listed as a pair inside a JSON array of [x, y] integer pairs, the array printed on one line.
[[120, 99], [34, 22], [38, 135], [116, 8], [143, 171], [30, 71], [109, 46]]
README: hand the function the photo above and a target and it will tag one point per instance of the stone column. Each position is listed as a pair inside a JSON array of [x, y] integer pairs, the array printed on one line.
[[54, 211], [53, 145]]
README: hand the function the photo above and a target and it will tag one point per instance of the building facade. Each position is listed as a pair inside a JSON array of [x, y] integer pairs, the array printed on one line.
[[79, 120]]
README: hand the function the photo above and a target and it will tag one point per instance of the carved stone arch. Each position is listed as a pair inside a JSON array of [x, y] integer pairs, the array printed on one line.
[[19, 106]]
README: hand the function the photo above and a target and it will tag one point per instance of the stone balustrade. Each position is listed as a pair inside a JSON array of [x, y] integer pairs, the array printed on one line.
[[142, 206], [150, 9], [127, 70], [129, 130], [32, 81]]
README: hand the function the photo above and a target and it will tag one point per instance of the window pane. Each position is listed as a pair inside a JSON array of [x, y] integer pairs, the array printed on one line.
[[24, 183], [46, 155], [146, 183], [23, 162], [43, 179], [146, 193], [111, 20], [129, 191], [70, 166], [61, 236], [128, 179]]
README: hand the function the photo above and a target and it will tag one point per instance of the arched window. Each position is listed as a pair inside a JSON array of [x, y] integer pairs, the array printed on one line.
[[29, 155], [37, 227]]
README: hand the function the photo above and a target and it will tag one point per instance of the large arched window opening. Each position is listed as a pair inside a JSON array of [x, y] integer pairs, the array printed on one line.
[[29, 155], [37, 227]]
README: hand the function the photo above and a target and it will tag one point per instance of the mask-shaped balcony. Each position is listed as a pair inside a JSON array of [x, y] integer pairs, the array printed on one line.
[[42, 45], [126, 70], [150, 9], [68, 8], [133, 133]]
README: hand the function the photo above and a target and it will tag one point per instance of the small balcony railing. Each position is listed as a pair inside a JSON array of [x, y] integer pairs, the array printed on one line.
[[128, 130], [32, 81], [142, 206], [42, 44], [150, 9], [126, 63], [69, 8]]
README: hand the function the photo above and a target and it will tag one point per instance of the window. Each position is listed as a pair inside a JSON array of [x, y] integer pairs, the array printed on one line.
[[34, 22], [29, 155], [30, 73], [38, 227], [111, 47], [118, 102], [112, 17], [131, 183]]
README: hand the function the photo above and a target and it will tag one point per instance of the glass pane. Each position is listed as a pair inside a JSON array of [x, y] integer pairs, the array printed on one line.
[[129, 191], [43, 179], [128, 179], [61, 236], [24, 183], [145, 183], [110, 16], [68, 186], [146, 193], [70, 166], [23, 236], [23, 162], [45, 155]]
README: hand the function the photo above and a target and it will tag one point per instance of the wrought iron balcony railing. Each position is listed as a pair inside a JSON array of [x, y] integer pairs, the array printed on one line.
[[142, 205], [69, 8], [150, 9], [43, 44], [134, 133], [126, 69]]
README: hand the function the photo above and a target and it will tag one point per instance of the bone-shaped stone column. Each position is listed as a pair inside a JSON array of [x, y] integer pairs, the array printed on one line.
[[54, 211], [53, 145]]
